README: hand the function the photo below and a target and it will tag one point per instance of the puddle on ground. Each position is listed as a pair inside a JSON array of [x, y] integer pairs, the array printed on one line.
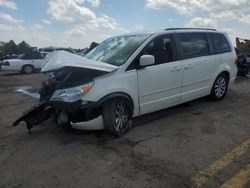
[[28, 90]]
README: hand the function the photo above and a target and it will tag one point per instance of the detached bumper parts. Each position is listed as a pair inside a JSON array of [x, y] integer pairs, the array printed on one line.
[[60, 96], [35, 116], [45, 111]]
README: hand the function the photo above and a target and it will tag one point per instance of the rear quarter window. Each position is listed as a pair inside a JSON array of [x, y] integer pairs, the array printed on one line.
[[220, 42]]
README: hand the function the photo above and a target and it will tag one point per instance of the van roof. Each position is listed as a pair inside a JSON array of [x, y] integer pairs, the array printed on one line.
[[172, 30], [199, 29]]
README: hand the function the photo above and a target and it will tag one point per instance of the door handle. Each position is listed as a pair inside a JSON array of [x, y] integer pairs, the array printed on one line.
[[178, 68], [32, 61], [188, 66]]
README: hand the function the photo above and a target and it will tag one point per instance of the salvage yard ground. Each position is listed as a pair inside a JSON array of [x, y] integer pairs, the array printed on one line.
[[198, 144]]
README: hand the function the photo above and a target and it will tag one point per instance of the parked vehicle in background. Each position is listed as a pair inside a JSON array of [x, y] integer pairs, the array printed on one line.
[[132, 75], [243, 53], [8, 56], [26, 63], [5, 57], [243, 64]]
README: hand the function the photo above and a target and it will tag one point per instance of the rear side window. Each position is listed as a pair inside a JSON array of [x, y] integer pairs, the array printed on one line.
[[221, 44], [193, 45], [27, 56], [33, 56]]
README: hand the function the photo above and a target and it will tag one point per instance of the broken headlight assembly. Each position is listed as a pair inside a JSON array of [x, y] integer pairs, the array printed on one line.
[[72, 94]]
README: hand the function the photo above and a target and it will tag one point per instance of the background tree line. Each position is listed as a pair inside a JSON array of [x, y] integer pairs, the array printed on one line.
[[23, 47], [12, 48]]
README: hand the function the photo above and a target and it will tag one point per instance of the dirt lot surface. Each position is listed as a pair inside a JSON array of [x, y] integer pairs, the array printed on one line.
[[198, 144]]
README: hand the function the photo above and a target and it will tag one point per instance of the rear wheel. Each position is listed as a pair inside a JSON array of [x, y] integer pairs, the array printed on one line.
[[219, 89], [27, 69], [116, 116]]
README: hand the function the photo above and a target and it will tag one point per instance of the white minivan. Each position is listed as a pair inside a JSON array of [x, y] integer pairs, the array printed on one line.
[[134, 74]]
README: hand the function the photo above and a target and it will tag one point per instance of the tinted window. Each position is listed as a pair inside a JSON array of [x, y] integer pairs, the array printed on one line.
[[27, 56], [193, 45], [32, 56], [221, 44], [36, 56], [48, 50], [161, 48]]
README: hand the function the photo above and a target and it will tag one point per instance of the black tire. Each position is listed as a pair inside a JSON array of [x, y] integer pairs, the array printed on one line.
[[220, 86], [28, 69], [116, 116]]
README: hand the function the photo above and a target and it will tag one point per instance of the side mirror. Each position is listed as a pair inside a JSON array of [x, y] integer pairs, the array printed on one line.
[[146, 60]]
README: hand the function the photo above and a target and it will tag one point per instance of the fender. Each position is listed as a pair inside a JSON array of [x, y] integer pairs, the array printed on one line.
[[115, 95]]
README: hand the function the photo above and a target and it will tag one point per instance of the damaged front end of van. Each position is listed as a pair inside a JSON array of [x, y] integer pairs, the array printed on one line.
[[70, 78]]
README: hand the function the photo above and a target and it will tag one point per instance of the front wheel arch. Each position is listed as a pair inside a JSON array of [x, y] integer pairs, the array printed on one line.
[[113, 96], [117, 115]]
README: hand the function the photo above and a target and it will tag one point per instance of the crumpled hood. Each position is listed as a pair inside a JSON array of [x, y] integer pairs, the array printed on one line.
[[66, 59]]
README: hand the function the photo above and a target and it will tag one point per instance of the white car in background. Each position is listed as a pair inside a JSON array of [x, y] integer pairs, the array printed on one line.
[[26, 63]]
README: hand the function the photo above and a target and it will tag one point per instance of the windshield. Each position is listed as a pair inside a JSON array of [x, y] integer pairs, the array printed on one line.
[[116, 50]]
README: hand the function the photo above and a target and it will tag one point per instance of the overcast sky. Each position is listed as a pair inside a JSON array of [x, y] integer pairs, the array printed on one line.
[[76, 23]]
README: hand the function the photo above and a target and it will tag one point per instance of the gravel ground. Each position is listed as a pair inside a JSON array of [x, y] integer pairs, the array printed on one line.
[[163, 149]]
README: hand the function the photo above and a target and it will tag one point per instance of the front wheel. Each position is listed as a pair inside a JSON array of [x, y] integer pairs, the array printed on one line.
[[219, 89], [116, 116]]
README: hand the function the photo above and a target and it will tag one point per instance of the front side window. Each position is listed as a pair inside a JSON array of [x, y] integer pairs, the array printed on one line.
[[161, 48], [221, 44], [116, 50], [193, 45]]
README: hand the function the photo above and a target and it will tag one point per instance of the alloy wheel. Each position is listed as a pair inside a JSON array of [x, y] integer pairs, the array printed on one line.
[[220, 87], [121, 116]]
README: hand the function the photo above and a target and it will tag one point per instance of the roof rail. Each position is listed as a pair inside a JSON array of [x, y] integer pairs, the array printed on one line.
[[190, 29]]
